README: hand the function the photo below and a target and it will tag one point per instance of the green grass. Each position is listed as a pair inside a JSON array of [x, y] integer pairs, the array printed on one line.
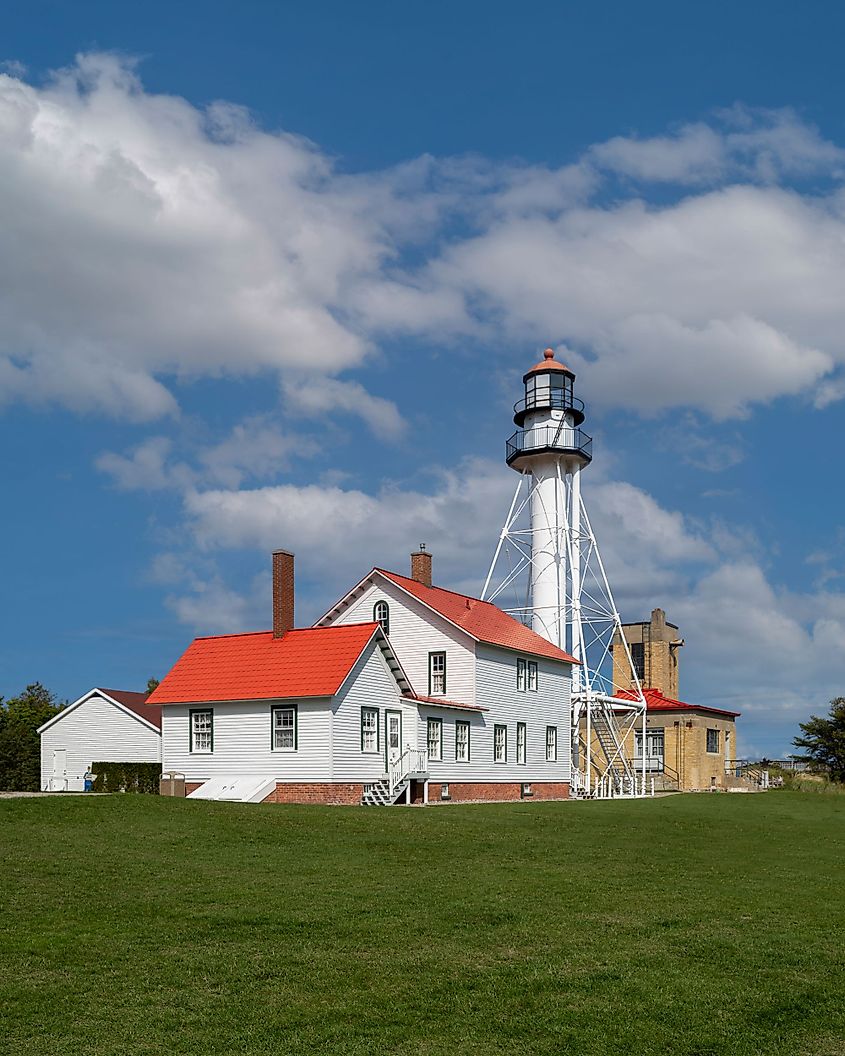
[[693, 925]]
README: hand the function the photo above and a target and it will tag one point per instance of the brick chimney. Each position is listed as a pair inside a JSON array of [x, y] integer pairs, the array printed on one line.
[[421, 566], [282, 592]]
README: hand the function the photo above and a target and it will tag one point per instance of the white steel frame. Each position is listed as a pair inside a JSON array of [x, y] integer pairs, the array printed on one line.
[[583, 622]]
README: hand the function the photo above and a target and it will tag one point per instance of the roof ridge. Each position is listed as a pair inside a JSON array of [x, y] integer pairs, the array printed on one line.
[[293, 630], [445, 590]]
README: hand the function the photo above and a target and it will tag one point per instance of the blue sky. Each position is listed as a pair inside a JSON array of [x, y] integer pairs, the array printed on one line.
[[271, 274]]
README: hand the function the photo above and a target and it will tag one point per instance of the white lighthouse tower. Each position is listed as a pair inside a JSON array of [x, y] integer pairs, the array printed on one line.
[[547, 553]]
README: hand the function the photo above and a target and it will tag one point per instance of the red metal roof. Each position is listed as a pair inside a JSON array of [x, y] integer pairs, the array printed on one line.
[[441, 702], [656, 701], [312, 662], [136, 702], [481, 619], [548, 362]]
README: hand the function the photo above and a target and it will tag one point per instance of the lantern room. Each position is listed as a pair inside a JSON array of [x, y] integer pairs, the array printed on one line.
[[549, 386]]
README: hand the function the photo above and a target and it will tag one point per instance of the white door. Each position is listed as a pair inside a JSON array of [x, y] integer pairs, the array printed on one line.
[[393, 735], [59, 779]]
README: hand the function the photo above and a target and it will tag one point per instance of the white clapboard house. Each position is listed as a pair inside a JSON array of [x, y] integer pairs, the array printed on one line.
[[103, 725], [401, 692]]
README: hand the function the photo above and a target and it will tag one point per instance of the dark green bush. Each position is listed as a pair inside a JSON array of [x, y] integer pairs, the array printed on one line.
[[126, 777]]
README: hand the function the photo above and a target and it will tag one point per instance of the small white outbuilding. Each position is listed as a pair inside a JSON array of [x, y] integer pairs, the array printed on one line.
[[103, 725]]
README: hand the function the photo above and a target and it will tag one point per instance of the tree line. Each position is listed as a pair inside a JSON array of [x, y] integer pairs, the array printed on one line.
[[20, 747]]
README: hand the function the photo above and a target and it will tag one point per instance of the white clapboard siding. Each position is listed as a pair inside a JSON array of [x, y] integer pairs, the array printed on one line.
[[371, 685], [415, 631], [96, 730], [496, 690], [242, 743]]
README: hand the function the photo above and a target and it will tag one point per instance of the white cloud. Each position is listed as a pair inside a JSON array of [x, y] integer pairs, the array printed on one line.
[[339, 533], [254, 449], [146, 467], [147, 240], [320, 396], [764, 145], [715, 302]]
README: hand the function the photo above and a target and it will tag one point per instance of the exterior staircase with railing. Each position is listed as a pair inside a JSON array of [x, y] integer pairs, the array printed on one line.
[[411, 765]]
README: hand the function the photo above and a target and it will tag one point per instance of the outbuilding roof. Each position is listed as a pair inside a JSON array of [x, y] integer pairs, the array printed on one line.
[[124, 699], [482, 620], [136, 702], [311, 662]]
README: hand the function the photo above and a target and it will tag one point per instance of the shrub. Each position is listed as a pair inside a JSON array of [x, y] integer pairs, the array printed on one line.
[[127, 777]]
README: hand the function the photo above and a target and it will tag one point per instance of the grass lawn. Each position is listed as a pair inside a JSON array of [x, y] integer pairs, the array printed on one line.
[[692, 924]]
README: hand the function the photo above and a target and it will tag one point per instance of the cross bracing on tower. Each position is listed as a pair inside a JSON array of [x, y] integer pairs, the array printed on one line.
[[547, 571]]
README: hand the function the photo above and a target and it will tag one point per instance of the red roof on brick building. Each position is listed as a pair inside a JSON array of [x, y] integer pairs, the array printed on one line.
[[656, 701], [482, 620], [311, 662]]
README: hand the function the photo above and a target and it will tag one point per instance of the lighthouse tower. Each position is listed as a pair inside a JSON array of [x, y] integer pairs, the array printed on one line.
[[548, 558]]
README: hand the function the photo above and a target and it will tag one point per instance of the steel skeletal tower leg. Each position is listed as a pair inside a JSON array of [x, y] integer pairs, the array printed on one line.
[[548, 554], [552, 577]]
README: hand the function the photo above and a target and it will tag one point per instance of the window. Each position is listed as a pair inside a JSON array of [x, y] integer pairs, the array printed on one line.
[[436, 674], [654, 743], [462, 742], [369, 730], [638, 659], [202, 731], [520, 743], [444, 792], [500, 744], [525, 790], [532, 676], [520, 674], [381, 614], [283, 727], [435, 739], [712, 740], [551, 744]]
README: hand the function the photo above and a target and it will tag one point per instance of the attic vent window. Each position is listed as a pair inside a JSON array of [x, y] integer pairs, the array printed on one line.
[[381, 615]]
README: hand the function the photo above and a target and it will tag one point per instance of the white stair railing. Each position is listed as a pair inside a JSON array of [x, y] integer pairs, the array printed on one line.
[[411, 761]]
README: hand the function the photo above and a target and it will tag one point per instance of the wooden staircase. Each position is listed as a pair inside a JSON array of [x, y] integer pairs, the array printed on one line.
[[412, 763], [379, 793]]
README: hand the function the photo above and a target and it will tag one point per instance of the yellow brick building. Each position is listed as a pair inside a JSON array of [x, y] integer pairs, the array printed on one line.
[[687, 746]]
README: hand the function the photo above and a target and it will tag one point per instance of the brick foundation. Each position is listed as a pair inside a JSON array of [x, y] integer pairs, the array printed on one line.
[[329, 793], [495, 791], [350, 794]]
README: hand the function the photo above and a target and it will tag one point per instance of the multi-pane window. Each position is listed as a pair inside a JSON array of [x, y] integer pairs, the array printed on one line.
[[638, 659], [462, 742], [551, 744], [500, 744], [526, 675], [520, 742], [202, 731], [369, 730], [532, 676], [381, 614], [712, 740], [283, 722], [435, 739], [436, 674]]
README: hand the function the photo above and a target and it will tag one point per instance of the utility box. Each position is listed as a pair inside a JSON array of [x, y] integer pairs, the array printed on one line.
[[172, 784]]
